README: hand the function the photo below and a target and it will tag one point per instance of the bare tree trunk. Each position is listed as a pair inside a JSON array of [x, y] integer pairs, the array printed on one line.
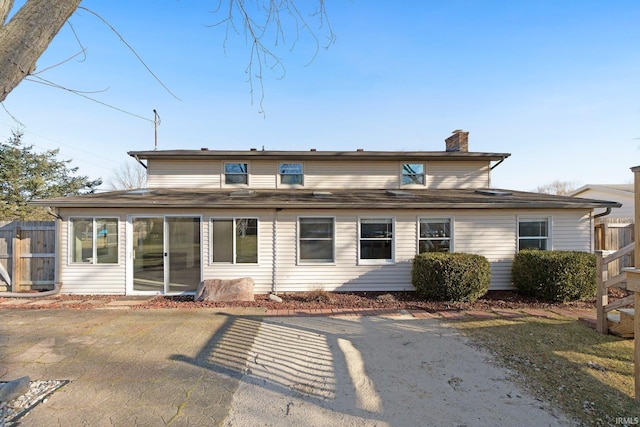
[[27, 35]]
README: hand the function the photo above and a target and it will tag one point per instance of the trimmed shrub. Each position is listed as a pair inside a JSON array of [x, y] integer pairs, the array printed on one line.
[[555, 275], [444, 276]]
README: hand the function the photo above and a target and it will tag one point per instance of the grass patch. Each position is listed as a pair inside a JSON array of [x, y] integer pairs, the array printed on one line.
[[586, 374]]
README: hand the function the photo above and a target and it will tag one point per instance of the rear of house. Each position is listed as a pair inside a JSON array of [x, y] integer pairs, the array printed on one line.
[[305, 220]]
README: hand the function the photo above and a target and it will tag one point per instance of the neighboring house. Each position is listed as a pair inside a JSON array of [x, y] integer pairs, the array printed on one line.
[[305, 220], [622, 193]]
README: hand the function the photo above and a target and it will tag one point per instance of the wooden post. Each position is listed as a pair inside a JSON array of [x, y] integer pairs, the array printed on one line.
[[16, 265], [602, 296], [636, 290]]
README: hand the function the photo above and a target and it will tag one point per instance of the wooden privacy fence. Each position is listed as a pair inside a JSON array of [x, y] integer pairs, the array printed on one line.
[[613, 234], [27, 255]]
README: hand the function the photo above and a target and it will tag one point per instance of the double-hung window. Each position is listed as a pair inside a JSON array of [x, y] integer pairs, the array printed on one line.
[[435, 235], [413, 173], [234, 241], [316, 240], [534, 233], [291, 174], [94, 240], [376, 240], [236, 173]]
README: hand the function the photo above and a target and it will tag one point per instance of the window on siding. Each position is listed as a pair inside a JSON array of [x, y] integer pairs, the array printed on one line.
[[94, 240], [413, 173], [236, 173], [291, 174], [316, 239], [234, 240], [435, 235], [533, 233], [376, 239]]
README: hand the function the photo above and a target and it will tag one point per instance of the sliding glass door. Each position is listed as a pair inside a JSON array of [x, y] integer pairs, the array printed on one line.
[[166, 254]]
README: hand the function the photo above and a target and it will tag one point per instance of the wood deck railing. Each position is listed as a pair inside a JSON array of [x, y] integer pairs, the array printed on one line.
[[603, 259]]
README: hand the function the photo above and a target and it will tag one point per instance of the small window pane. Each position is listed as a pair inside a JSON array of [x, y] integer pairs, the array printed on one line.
[[376, 229], [533, 228], [107, 240], [375, 249], [434, 246], [291, 173], [413, 173], [235, 173], [246, 240], [222, 231], [540, 244], [316, 239], [82, 240]]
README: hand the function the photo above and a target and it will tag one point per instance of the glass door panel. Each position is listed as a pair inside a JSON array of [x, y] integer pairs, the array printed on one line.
[[148, 254], [183, 254]]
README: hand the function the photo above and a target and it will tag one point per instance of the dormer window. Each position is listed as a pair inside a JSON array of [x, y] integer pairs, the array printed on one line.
[[236, 173], [291, 174], [413, 173]]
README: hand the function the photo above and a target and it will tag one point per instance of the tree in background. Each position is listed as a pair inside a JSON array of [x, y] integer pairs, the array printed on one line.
[[26, 175], [129, 176], [557, 187]]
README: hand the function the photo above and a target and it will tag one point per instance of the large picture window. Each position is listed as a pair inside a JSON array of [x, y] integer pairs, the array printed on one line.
[[94, 240], [236, 173], [291, 174], [376, 239], [234, 240], [316, 239], [534, 233], [413, 173], [435, 235]]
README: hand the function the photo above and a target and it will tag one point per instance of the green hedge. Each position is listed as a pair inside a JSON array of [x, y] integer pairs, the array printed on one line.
[[555, 275], [443, 276]]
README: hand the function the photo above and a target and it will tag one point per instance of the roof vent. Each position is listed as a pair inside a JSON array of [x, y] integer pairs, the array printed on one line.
[[494, 192], [399, 193], [360, 150], [313, 149], [139, 191], [321, 194], [242, 193], [204, 149], [255, 149]]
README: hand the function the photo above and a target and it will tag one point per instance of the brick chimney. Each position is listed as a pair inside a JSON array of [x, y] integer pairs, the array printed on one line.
[[459, 141]]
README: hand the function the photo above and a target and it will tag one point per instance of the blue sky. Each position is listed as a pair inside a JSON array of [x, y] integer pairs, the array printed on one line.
[[554, 83]]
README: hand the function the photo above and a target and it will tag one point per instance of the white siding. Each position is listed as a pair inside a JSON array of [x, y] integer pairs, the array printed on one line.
[[354, 174], [626, 198], [458, 174], [92, 278], [490, 233], [184, 174]]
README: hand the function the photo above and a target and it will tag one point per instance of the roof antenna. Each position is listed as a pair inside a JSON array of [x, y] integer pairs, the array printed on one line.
[[156, 123]]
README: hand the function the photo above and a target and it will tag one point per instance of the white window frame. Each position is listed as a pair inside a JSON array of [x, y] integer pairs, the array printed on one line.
[[531, 218], [435, 219], [376, 261], [333, 240], [94, 232], [233, 245], [413, 184], [224, 173], [280, 175]]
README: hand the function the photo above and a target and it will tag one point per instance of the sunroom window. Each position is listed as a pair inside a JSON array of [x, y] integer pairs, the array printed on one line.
[[316, 239], [234, 240], [413, 173], [533, 233], [435, 235], [94, 240], [291, 174], [236, 173], [376, 239]]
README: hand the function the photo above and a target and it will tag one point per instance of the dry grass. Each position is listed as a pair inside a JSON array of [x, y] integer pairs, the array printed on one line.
[[586, 374]]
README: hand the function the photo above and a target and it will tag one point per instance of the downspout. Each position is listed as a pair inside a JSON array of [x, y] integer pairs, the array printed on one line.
[[274, 260], [139, 161], [606, 212]]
